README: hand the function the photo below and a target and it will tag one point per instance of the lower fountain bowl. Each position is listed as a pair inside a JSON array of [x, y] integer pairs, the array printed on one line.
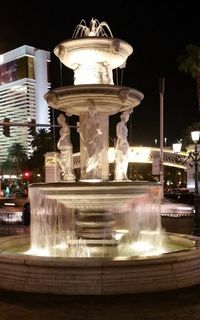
[[99, 276]]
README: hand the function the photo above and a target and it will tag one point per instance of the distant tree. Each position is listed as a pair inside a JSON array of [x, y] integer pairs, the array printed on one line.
[[187, 139], [7, 167], [17, 157], [43, 140], [189, 62], [42, 143]]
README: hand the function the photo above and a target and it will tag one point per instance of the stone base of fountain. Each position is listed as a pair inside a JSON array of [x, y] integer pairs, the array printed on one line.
[[99, 276], [88, 239]]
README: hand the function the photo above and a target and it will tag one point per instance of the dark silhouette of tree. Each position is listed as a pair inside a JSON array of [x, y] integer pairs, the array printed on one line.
[[187, 139], [189, 62], [42, 143], [17, 158]]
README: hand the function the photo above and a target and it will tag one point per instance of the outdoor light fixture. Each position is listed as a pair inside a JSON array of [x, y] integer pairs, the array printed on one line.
[[194, 156], [177, 147], [195, 136]]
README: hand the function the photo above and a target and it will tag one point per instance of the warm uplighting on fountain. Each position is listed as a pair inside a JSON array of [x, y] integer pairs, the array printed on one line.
[[93, 53], [145, 249], [90, 180], [135, 154], [62, 246], [142, 246], [40, 252], [138, 154], [120, 233]]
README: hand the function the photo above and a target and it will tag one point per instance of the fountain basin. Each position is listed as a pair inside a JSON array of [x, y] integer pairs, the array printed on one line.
[[108, 99], [93, 50], [99, 276]]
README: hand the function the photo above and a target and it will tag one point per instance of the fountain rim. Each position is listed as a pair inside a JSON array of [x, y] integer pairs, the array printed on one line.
[[116, 98], [100, 184], [97, 276], [174, 256], [93, 38]]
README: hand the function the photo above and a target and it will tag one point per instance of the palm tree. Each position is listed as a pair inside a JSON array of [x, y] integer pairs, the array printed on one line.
[[7, 167], [189, 62], [17, 157], [42, 143], [187, 134]]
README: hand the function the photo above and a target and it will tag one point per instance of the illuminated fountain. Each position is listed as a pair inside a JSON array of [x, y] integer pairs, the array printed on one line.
[[96, 236]]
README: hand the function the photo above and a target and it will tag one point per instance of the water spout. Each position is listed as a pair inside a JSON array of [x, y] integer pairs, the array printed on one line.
[[96, 29]]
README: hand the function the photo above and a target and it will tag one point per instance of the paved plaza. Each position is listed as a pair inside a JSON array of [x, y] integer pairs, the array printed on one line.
[[181, 304]]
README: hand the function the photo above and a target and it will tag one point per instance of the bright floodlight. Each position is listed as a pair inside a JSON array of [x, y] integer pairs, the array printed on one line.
[[195, 136], [177, 147]]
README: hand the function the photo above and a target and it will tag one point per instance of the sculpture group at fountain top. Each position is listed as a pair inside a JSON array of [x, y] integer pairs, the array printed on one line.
[[93, 53], [92, 143]]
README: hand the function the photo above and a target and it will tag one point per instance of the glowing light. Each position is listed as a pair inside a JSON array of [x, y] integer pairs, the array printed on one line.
[[1, 58], [90, 180], [142, 246], [38, 252], [19, 88], [61, 246], [138, 154], [120, 233]]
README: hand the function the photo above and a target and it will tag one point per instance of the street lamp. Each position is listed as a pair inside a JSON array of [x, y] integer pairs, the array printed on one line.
[[195, 157]]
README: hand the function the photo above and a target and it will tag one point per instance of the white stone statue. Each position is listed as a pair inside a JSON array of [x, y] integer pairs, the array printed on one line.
[[91, 136], [121, 148], [64, 144]]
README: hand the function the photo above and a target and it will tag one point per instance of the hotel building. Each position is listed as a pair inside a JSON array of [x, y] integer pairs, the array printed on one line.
[[23, 83]]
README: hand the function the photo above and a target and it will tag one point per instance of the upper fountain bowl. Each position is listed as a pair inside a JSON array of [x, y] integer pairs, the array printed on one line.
[[75, 52]]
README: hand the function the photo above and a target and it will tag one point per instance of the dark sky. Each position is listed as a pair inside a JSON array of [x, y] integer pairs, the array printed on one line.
[[158, 33]]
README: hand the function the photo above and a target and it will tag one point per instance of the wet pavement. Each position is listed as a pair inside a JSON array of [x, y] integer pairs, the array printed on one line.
[[174, 305]]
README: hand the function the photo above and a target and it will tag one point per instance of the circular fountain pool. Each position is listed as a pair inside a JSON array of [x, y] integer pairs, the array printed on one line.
[[99, 275], [100, 239]]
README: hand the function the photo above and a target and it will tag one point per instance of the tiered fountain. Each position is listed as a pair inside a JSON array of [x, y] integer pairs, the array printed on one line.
[[96, 236]]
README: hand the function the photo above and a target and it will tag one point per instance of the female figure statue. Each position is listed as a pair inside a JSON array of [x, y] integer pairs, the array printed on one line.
[[121, 148], [91, 136], [64, 144]]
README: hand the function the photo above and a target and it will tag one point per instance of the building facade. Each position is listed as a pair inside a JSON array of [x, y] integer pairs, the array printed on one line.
[[23, 83]]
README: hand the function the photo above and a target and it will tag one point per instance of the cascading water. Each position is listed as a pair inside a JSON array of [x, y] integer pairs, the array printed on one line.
[[91, 225]]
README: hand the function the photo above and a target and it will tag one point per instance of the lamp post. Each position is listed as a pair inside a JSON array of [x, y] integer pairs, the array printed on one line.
[[195, 157], [161, 93]]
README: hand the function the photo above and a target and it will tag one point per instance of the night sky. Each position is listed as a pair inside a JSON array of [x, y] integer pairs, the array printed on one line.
[[158, 34]]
